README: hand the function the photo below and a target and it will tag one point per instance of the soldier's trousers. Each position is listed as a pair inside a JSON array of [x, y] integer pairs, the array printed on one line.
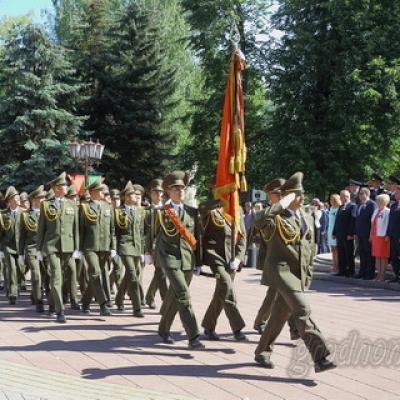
[[265, 310], [97, 263], [12, 269], [45, 277], [117, 273], [70, 282], [224, 298], [36, 277], [2, 272], [140, 278], [264, 313], [293, 303], [178, 299], [158, 282], [58, 262], [82, 273], [130, 282]]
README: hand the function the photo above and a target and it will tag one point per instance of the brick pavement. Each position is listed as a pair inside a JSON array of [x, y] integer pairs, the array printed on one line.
[[92, 351]]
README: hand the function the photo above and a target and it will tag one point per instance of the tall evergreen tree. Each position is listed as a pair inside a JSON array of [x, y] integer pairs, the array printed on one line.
[[37, 108], [138, 95]]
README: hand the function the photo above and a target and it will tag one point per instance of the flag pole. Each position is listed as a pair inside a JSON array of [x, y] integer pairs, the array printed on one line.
[[235, 40]]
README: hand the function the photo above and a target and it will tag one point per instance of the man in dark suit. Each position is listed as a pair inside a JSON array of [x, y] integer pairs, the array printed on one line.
[[393, 231], [343, 231], [362, 230]]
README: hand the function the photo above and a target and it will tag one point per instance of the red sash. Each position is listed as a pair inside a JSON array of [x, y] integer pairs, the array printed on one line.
[[185, 233]]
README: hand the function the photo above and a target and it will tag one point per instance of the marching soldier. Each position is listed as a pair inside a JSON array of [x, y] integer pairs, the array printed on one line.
[[159, 280], [290, 252], [217, 254], [58, 239], [24, 200], [70, 275], [118, 269], [274, 195], [28, 244], [97, 242], [178, 251], [129, 231], [9, 240]]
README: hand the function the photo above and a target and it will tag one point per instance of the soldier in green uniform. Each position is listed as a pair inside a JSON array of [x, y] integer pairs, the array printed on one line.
[[117, 268], [159, 280], [274, 195], [58, 239], [28, 244], [177, 248], [217, 253], [97, 242], [9, 241], [70, 275], [129, 231], [290, 252]]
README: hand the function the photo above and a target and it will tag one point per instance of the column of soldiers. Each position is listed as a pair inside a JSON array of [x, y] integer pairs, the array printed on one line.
[[64, 240]]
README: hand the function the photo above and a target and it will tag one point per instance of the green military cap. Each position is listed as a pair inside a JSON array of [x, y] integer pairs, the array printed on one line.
[[294, 183], [84, 197], [139, 189], [60, 180], [175, 178], [97, 185], [353, 182], [38, 192], [10, 192], [376, 177], [50, 195], [128, 189], [115, 193], [274, 185], [71, 192], [210, 205], [394, 179], [23, 196], [155, 184]]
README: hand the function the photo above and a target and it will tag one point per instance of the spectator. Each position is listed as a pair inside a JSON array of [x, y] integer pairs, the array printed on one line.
[[258, 207], [379, 240], [363, 228], [343, 231], [323, 233], [248, 216], [335, 204], [376, 186], [316, 214], [393, 232], [354, 187]]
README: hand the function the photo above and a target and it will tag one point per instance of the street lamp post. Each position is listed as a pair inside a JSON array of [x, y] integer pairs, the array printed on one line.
[[86, 154]]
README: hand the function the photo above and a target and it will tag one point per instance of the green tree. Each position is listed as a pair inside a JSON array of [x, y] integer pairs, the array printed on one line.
[[211, 25], [105, 47], [37, 108], [138, 96], [334, 81]]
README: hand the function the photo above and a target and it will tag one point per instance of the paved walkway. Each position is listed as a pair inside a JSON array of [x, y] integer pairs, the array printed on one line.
[[81, 359]]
